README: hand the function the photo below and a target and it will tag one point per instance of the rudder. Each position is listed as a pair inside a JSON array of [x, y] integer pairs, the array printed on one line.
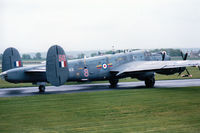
[[57, 71], [11, 59]]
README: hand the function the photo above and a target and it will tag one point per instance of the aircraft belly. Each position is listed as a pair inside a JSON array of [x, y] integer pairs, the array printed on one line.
[[99, 75]]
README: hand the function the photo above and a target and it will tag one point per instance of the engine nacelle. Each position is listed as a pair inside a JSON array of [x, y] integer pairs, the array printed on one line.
[[171, 71]]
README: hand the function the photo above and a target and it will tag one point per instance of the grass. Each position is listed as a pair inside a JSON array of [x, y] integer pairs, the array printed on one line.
[[4, 84], [194, 71], [133, 110]]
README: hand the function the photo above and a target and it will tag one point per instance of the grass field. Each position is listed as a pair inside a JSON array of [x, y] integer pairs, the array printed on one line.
[[133, 110], [194, 71]]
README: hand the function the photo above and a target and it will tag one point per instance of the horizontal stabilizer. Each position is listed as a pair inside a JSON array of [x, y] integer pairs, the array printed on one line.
[[37, 69]]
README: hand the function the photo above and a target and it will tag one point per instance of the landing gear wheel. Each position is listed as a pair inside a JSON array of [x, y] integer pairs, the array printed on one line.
[[41, 88], [150, 82], [113, 83]]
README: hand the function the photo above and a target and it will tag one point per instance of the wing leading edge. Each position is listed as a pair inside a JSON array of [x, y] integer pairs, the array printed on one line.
[[143, 66]]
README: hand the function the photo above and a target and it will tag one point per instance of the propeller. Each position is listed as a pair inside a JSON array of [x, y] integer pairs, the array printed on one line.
[[163, 55], [184, 57]]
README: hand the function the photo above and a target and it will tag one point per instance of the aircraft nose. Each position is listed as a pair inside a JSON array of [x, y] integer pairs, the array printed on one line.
[[3, 75]]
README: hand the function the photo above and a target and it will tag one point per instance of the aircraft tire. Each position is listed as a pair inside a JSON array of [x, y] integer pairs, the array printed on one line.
[[150, 82], [41, 88], [113, 83]]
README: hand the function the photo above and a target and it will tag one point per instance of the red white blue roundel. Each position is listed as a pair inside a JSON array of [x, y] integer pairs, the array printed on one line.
[[104, 66]]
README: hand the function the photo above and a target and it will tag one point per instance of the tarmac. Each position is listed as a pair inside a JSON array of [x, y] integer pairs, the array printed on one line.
[[30, 91]]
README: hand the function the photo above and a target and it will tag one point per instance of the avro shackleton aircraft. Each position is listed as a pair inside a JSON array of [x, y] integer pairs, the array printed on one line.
[[137, 64]]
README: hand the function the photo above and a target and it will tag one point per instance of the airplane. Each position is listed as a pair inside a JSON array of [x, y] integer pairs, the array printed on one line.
[[140, 64]]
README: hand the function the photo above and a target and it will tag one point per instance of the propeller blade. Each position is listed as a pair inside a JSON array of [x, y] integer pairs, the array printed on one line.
[[185, 57], [163, 55], [187, 71], [188, 74], [182, 55], [179, 74]]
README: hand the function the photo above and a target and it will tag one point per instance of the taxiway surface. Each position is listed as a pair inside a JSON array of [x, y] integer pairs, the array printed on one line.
[[29, 91]]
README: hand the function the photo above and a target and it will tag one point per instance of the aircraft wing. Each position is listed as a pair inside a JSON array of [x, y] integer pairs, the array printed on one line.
[[142, 66]]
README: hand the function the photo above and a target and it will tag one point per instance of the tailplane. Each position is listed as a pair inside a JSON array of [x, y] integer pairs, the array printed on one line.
[[11, 59]]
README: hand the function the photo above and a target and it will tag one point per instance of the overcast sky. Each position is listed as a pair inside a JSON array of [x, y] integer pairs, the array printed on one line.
[[35, 25]]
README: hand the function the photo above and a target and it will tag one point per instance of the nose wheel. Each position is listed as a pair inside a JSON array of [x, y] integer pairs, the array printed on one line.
[[41, 88]]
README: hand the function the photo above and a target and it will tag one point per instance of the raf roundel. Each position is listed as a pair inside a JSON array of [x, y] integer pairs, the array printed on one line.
[[104, 66]]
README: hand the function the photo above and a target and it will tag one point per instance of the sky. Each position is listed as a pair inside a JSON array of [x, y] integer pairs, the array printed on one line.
[[35, 25]]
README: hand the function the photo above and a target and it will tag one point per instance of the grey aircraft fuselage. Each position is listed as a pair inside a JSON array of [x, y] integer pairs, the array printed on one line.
[[88, 69]]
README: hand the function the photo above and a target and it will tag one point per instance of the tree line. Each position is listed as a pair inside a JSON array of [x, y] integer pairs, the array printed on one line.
[[37, 56], [170, 51], [28, 56]]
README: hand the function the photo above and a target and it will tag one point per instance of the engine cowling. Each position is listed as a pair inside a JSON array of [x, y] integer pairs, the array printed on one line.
[[171, 71]]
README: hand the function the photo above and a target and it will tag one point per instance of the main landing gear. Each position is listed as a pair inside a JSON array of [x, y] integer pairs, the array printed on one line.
[[113, 83], [42, 88], [149, 82]]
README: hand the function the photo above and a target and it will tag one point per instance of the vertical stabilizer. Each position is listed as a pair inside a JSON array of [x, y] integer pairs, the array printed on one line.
[[11, 59], [57, 71]]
